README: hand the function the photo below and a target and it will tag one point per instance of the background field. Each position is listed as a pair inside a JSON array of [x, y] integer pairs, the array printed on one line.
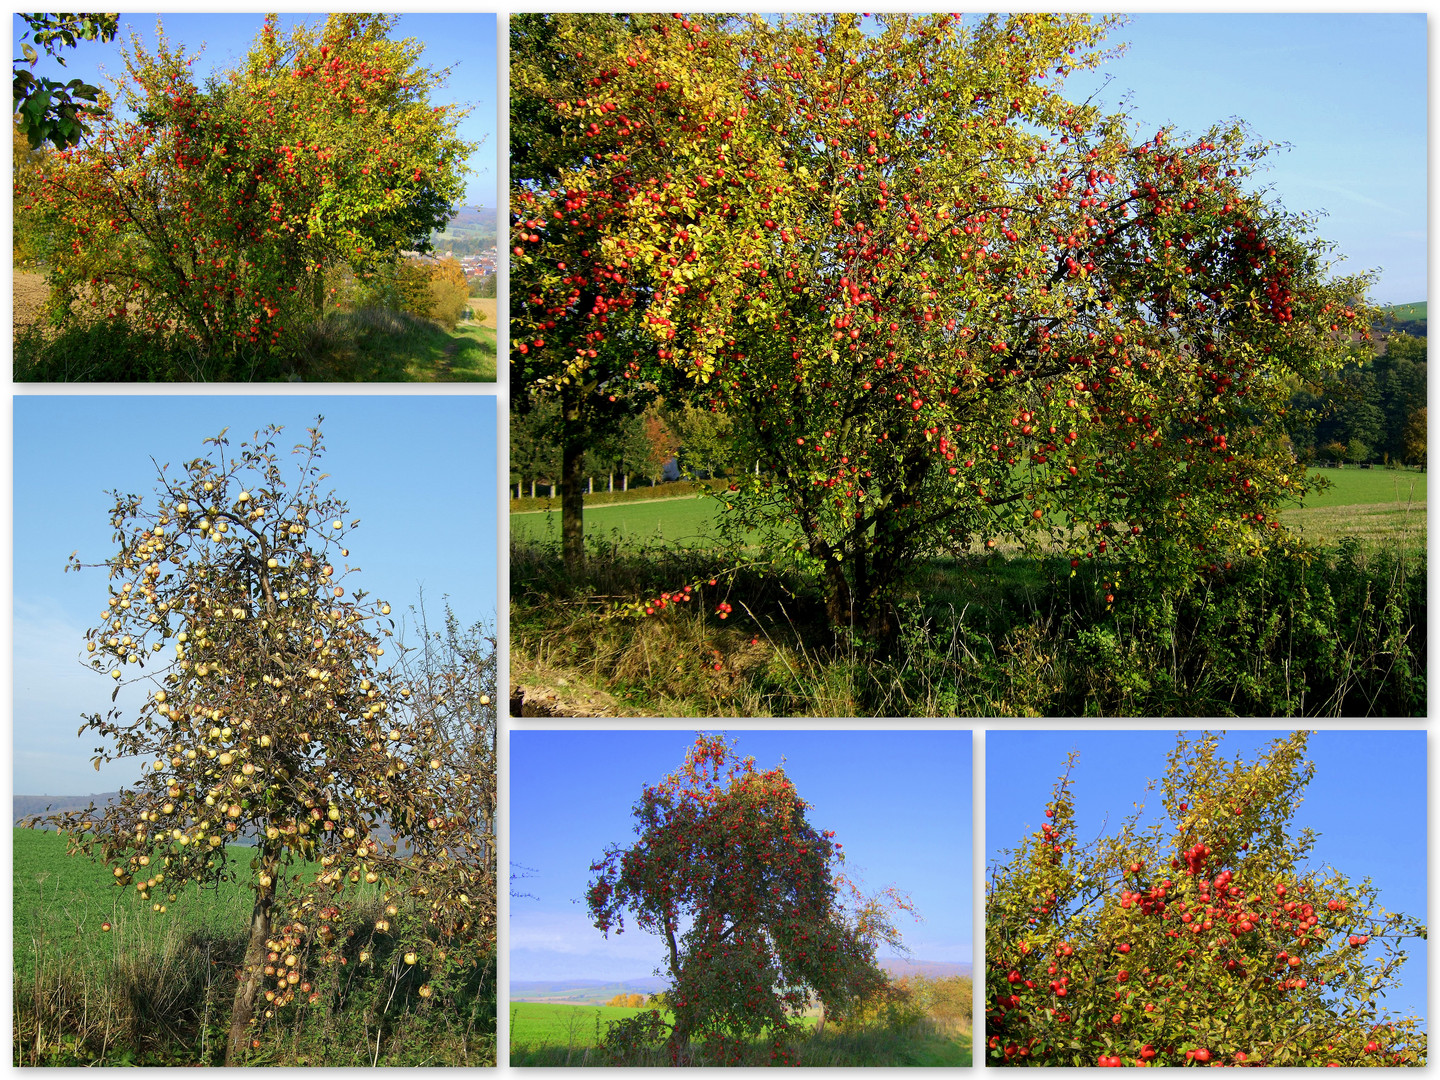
[[1394, 502], [570, 1035]]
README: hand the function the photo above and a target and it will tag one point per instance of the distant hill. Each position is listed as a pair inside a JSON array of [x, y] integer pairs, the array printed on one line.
[[583, 991], [25, 805], [1402, 319], [474, 217], [897, 967], [473, 230], [598, 992]]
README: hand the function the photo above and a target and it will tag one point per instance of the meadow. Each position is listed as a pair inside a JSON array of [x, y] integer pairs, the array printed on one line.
[[155, 987], [935, 1029], [1340, 631]]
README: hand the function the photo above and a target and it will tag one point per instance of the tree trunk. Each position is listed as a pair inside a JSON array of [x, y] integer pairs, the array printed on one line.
[[862, 604], [532, 489], [572, 492], [253, 973]]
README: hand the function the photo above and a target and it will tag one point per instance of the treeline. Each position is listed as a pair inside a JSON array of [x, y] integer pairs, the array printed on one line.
[[637, 445], [427, 287], [1374, 413], [627, 1001]]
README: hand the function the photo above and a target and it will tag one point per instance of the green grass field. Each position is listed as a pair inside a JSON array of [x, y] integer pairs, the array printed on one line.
[[60, 903], [1407, 312], [570, 1035], [684, 521], [1369, 487], [1394, 501], [156, 988], [575, 1028]]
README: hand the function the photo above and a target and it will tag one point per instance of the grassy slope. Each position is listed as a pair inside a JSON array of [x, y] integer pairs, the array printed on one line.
[[358, 349], [1407, 312], [59, 905]]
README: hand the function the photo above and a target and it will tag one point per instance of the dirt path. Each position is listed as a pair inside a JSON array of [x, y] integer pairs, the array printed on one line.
[[30, 293]]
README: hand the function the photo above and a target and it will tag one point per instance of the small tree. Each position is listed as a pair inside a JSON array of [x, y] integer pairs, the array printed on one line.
[[1415, 436], [706, 436], [747, 897], [661, 442], [1204, 938], [274, 718]]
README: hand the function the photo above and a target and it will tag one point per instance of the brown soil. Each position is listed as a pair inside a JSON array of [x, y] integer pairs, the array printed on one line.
[[31, 292]]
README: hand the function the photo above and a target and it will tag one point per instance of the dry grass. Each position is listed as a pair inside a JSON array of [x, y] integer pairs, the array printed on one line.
[[1378, 526], [484, 309]]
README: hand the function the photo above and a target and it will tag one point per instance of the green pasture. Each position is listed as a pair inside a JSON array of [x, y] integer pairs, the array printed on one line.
[[561, 1035], [1391, 502], [1407, 312], [536, 1024], [683, 521], [60, 902], [1352, 486]]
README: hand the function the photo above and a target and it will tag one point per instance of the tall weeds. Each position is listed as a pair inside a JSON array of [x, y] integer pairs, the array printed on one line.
[[1340, 631]]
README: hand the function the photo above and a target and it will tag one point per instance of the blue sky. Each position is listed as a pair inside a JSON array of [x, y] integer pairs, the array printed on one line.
[[1367, 802], [418, 470], [1348, 92], [463, 42], [899, 801]]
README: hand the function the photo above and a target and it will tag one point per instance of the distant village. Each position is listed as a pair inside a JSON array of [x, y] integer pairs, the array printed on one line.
[[470, 237]]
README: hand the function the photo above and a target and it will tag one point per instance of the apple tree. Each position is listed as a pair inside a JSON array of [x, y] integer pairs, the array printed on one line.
[[748, 897], [45, 109], [1205, 938], [587, 359], [943, 304], [271, 715], [215, 212]]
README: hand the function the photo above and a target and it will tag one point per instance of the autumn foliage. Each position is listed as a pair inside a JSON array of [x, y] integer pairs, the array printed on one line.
[[944, 304], [213, 212], [747, 896], [1207, 938]]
